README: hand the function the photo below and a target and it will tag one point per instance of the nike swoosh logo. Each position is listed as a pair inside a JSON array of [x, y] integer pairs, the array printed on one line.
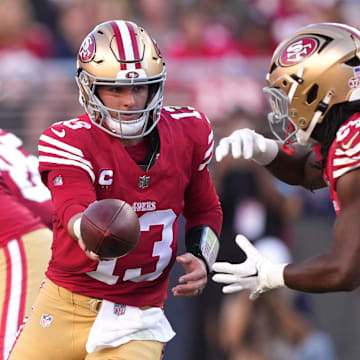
[[348, 145], [59, 133]]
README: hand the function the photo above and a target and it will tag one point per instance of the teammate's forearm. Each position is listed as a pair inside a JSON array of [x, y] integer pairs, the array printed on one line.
[[300, 168], [318, 275]]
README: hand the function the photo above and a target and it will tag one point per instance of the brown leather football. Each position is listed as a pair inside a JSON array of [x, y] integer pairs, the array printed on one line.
[[110, 228]]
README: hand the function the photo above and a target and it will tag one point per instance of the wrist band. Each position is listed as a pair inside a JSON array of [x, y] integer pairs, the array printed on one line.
[[203, 242], [76, 227], [270, 153]]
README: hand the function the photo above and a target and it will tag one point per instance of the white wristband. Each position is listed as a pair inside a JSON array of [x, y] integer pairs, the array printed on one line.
[[270, 153], [76, 227], [275, 276]]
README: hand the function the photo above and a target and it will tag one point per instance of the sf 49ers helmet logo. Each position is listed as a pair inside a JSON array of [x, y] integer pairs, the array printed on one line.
[[87, 49], [297, 51], [132, 75]]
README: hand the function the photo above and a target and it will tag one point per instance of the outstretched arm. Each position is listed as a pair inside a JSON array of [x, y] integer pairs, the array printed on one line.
[[336, 270], [300, 168]]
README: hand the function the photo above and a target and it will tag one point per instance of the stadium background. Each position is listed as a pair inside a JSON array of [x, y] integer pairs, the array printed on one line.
[[216, 52]]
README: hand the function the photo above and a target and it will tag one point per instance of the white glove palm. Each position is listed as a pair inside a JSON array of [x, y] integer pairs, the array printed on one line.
[[248, 144], [257, 273]]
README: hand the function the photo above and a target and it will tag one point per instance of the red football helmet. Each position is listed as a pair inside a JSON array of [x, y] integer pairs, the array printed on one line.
[[317, 67], [120, 53]]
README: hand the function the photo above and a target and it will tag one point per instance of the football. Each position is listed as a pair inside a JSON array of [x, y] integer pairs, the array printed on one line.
[[110, 228]]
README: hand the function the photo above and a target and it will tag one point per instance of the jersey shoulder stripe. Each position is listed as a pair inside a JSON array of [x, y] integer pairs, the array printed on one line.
[[209, 152], [66, 151], [197, 126], [346, 155]]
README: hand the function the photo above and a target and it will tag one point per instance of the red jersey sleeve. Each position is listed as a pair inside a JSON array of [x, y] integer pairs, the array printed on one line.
[[202, 206], [343, 156], [345, 152], [65, 168], [73, 196]]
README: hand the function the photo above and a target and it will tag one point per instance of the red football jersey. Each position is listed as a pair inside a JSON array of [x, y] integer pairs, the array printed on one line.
[[24, 200], [80, 163], [344, 155]]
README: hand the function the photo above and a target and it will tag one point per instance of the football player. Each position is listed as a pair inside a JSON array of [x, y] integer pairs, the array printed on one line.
[[126, 146], [313, 85], [25, 237]]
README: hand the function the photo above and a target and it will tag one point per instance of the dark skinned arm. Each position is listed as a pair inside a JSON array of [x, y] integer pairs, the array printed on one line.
[[338, 269], [301, 168]]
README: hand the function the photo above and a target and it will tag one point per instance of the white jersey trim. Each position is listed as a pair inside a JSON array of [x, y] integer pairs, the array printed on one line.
[[55, 160], [208, 154], [15, 296], [203, 165], [350, 152], [61, 145], [340, 172], [344, 161], [65, 154]]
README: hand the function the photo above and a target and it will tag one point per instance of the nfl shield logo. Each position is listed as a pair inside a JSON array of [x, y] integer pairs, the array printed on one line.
[[143, 182], [46, 320], [58, 181], [119, 309]]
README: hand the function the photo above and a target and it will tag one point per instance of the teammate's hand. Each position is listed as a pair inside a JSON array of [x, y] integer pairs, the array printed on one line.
[[194, 280], [257, 273], [249, 145]]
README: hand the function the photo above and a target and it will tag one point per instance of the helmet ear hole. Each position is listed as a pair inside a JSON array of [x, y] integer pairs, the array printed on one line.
[[312, 94], [354, 61], [273, 67]]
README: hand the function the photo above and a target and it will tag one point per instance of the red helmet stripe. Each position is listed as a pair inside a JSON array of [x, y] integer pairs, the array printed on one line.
[[120, 44], [134, 45]]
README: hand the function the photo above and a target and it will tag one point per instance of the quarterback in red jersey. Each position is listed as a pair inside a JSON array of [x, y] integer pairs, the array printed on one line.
[[126, 147], [25, 238], [313, 85]]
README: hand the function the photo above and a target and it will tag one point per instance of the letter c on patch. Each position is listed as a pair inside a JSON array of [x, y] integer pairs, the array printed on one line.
[[105, 177]]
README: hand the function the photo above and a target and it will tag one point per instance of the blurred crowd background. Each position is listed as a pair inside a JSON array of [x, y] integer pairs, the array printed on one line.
[[217, 53]]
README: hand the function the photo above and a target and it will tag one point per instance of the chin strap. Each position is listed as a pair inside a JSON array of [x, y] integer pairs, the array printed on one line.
[[203, 242], [288, 146]]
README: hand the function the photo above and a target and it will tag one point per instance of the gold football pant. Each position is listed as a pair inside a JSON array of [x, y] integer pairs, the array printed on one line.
[[59, 326], [23, 262]]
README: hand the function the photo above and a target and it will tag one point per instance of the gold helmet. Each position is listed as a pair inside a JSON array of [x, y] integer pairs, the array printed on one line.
[[317, 67], [120, 53]]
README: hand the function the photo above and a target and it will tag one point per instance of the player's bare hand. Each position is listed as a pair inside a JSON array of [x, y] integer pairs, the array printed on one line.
[[194, 280], [90, 254]]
